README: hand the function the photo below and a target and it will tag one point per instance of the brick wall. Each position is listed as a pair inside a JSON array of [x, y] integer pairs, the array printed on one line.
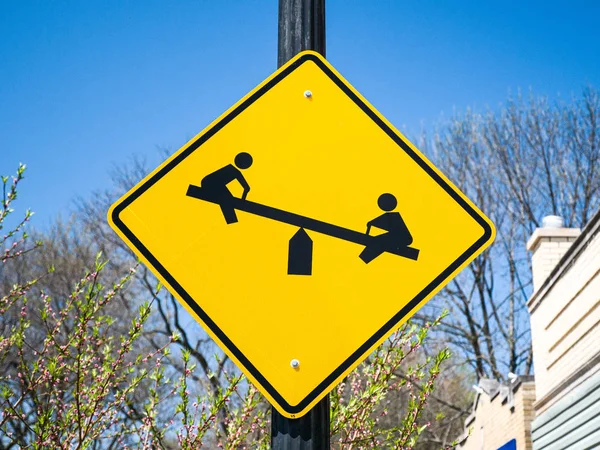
[[495, 422]]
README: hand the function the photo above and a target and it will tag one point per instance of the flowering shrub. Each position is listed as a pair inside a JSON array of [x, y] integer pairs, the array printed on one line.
[[361, 401], [75, 378]]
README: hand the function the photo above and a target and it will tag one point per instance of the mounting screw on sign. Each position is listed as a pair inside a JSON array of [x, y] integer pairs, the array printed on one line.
[[307, 94], [295, 363]]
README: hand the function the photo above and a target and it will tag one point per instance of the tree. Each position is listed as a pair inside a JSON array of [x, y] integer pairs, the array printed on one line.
[[78, 377], [171, 318], [530, 159]]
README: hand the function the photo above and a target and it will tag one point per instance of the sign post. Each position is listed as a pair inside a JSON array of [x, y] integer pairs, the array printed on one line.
[[301, 26]]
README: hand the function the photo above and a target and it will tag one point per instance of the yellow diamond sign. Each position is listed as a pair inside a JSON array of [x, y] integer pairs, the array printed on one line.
[[300, 229]]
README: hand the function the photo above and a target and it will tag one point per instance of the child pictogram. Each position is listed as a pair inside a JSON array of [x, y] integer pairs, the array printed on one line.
[[397, 235], [214, 185]]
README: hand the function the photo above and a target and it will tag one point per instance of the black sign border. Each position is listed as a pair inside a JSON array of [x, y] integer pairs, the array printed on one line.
[[390, 324]]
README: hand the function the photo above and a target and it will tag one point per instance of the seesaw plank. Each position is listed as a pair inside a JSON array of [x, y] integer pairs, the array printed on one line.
[[307, 223]]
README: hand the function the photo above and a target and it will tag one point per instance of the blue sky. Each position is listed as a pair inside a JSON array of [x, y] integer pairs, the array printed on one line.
[[84, 85]]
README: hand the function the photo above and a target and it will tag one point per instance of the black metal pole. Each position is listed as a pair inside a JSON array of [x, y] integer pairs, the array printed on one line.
[[301, 27], [309, 432]]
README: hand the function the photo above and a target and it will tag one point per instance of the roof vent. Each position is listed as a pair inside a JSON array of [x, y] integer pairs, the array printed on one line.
[[553, 222]]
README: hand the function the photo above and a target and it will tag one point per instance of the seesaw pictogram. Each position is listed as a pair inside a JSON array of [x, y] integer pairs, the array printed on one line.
[[395, 241]]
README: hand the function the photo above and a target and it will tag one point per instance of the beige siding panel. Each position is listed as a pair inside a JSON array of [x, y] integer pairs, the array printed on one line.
[[566, 325]]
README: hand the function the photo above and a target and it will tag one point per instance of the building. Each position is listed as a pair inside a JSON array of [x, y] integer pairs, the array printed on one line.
[[501, 417], [565, 330], [561, 408]]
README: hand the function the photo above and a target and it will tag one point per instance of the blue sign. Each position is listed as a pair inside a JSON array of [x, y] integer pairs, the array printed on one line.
[[510, 445]]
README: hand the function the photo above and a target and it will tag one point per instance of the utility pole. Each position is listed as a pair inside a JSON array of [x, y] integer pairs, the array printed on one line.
[[301, 26]]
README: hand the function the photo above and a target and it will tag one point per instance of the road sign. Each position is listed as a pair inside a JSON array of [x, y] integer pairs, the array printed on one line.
[[300, 229]]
